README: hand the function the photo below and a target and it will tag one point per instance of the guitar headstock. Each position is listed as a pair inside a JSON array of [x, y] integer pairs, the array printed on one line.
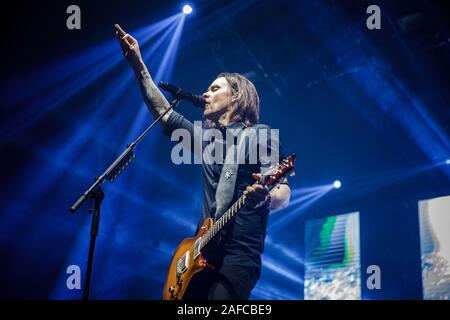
[[273, 176]]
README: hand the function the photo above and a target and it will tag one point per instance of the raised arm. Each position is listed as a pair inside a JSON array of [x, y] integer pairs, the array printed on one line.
[[154, 99]]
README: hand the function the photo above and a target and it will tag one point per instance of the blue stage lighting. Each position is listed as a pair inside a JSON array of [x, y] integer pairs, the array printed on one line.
[[187, 9], [447, 161], [337, 184]]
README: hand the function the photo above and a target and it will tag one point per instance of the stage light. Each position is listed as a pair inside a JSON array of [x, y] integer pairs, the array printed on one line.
[[337, 184], [447, 161], [187, 9]]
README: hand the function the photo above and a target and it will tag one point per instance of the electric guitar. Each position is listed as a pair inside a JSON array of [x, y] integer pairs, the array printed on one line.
[[188, 259]]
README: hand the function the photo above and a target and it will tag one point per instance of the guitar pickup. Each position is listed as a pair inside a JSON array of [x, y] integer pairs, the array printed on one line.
[[197, 247], [183, 263]]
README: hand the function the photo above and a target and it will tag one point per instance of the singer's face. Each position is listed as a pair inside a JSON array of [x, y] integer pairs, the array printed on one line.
[[218, 99]]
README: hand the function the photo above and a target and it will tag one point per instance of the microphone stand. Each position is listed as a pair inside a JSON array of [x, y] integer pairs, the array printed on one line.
[[96, 194]]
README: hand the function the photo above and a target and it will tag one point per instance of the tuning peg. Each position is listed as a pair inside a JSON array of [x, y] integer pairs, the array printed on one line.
[[292, 174]]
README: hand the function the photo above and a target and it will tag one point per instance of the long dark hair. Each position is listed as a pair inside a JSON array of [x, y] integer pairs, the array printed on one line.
[[246, 100]]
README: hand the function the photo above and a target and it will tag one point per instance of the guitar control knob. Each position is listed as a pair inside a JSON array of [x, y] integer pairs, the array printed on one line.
[[171, 289]]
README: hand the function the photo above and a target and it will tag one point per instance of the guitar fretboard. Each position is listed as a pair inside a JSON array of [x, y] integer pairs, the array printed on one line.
[[224, 219]]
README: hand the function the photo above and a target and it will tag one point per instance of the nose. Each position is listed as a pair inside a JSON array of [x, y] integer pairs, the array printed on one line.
[[205, 95]]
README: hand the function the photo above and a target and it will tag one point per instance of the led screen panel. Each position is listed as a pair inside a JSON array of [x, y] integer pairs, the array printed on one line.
[[332, 266], [434, 218]]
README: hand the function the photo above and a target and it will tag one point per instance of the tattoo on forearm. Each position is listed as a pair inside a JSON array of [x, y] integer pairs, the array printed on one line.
[[153, 97]]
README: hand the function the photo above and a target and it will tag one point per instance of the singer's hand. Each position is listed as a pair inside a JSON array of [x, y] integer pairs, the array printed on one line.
[[257, 194], [130, 46]]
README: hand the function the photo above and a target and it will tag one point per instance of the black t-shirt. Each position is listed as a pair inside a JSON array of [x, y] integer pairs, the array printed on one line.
[[242, 239]]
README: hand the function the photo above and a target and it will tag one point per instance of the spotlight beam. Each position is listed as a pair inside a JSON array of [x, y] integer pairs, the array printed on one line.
[[52, 170], [164, 71], [65, 69], [89, 65], [288, 216], [282, 271]]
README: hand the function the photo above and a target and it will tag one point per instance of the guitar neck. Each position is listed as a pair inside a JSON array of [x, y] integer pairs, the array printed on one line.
[[268, 180], [222, 221]]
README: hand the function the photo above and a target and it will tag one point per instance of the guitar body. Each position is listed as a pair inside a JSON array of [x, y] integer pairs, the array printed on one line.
[[184, 265]]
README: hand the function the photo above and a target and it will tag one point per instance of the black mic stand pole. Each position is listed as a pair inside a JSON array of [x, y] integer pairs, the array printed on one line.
[[96, 195]]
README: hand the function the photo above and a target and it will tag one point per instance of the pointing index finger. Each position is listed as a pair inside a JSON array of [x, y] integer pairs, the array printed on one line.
[[119, 30]]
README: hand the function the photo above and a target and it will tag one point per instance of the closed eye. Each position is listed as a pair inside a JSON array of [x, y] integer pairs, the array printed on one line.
[[214, 88]]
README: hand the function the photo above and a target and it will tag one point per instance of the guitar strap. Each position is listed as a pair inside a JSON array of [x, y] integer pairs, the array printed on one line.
[[227, 182]]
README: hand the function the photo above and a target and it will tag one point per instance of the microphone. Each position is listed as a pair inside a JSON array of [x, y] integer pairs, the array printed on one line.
[[178, 93]]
